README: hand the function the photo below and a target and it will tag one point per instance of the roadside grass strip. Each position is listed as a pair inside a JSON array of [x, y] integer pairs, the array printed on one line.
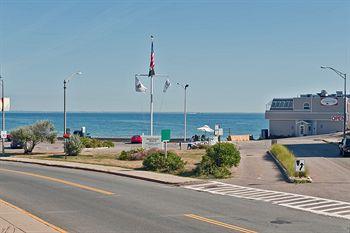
[[69, 183], [221, 224], [311, 204], [55, 228]]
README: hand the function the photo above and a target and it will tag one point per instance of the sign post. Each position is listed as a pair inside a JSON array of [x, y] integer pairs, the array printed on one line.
[[165, 139]]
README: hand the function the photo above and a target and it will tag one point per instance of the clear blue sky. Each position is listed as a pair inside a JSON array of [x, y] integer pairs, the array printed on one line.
[[236, 55]]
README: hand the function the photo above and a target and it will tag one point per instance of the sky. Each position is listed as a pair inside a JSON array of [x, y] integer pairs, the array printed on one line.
[[235, 55]]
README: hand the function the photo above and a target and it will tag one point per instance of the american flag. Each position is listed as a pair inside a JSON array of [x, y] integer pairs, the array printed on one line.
[[151, 64]]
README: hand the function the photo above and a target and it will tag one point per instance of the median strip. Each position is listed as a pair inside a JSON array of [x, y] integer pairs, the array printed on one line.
[[60, 181], [221, 224]]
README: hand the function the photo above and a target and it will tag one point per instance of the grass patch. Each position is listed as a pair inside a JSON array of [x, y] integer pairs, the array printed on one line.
[[191, 157], [287, 159]]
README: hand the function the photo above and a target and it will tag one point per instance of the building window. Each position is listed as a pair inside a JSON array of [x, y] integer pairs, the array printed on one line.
[[306, 106], [282, 104]]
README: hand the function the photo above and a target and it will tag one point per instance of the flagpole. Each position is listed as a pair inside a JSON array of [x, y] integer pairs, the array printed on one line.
[[151, 91], [151, 74], [151, 105]]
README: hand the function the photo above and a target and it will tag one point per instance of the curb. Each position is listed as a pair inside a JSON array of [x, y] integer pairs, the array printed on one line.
[[281, 168], [106, 172], [290, 179]]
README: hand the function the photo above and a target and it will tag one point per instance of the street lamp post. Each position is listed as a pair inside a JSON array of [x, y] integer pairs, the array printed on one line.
[[185, 109], [65, 82], [3, 113], [343, 76]]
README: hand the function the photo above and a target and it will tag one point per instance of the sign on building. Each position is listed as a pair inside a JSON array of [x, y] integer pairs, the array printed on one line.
[[299, 165], [337, 118], [6, 104], [149, 142], [329, 101]]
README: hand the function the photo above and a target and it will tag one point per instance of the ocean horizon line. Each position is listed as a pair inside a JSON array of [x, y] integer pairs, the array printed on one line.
[[128, 112]]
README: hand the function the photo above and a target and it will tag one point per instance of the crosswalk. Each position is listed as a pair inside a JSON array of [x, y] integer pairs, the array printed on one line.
[[296, 201]]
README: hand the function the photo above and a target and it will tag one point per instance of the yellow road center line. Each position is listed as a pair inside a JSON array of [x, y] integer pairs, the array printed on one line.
[[61, 181], [56, 228], [211, 221]]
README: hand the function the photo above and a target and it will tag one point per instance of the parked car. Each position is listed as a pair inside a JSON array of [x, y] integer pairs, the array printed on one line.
[[136, 139], [9, 138], [16, 144], [344, 146]]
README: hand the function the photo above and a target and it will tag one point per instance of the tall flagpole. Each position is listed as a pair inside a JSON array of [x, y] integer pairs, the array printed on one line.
[[151, 105], [151, 91], [151, 74]]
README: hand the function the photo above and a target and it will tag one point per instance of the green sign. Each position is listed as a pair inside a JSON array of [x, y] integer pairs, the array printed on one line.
[[165, 135]]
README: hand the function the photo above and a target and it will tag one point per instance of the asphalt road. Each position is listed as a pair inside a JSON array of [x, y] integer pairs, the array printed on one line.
[[82, 201]]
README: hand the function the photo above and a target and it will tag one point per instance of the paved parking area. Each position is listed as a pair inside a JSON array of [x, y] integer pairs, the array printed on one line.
[[330, 171]]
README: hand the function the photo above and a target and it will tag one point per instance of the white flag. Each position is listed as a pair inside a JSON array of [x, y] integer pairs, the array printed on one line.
[[166, 85], [139, 87]]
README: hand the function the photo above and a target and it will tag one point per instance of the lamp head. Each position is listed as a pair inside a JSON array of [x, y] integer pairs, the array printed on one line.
[[79, 73]]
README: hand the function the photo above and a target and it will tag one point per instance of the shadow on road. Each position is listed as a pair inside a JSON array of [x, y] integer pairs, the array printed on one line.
[[315, 150], [279, 177]]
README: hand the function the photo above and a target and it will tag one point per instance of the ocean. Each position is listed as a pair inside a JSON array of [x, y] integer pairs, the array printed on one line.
[[128, 124]]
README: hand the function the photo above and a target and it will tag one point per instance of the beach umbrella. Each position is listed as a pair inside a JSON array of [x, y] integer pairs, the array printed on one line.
[[205, 128]]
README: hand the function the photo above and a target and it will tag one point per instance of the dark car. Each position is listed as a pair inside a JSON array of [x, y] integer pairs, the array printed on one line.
[[344, 146], [136, 139], [16, 144]]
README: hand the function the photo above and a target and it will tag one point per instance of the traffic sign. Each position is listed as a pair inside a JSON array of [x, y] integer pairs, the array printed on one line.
[[3, 134], [299, 165], [165, 135]]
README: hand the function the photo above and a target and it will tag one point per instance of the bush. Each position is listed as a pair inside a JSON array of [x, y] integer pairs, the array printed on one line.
[[108, 144], [94, 143], [73, 146], [157, 162], [32, 135], [134, 154], [287, 159], [218, 160]]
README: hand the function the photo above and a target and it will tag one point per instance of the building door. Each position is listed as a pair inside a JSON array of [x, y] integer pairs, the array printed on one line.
[[301, 130]]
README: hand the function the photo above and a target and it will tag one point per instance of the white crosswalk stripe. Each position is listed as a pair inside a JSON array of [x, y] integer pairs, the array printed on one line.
[[315, 205]]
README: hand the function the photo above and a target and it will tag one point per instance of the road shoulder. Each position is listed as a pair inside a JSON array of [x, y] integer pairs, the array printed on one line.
[[15, 219]]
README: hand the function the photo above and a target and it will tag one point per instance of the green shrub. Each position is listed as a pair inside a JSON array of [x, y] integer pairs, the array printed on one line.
[[123, 156], [287, 159], [94, 143], [134, 154], [108, 144], [218, 160], [158, 162], [73, 146]]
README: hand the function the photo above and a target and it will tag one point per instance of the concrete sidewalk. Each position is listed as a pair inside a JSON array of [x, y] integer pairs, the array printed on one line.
[[138, 174], [16, 220]]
